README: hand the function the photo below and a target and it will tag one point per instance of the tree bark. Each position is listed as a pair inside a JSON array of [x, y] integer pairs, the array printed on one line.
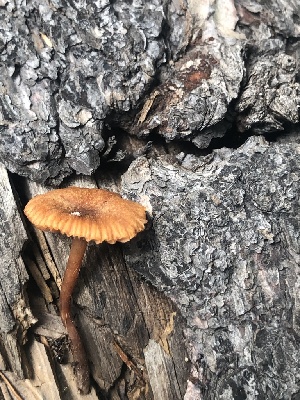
[[191, 108]]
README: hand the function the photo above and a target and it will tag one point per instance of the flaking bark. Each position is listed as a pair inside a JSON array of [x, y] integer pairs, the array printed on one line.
[[204, 303]]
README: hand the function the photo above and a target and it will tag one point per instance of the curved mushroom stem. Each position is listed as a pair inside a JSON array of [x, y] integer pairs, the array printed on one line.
[[70, 278]]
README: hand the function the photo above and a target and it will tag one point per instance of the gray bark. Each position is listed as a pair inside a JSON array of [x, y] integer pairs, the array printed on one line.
[[141, 98], [225, 249]]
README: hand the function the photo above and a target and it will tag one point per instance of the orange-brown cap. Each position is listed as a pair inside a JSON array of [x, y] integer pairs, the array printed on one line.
[[92, 214]]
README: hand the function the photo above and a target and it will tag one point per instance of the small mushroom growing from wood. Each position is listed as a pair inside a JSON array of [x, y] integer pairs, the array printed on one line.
[[87, 215]]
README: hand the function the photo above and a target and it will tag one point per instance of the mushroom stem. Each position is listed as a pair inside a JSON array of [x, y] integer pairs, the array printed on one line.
[[78, 248]]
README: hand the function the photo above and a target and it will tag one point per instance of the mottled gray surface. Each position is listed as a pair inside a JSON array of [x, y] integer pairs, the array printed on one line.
[[70, 71], [196, 88], [225, 247], [270, 99], [272, 95], [193, 98], [63, 68], [265, 20]]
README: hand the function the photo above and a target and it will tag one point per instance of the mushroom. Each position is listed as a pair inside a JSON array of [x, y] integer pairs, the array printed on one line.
[[87, 215]]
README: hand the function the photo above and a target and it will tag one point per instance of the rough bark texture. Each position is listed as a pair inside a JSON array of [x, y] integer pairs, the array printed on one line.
[[141, 97], [225, 249]]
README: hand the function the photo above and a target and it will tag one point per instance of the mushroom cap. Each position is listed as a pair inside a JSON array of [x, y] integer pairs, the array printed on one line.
[[92, 214]]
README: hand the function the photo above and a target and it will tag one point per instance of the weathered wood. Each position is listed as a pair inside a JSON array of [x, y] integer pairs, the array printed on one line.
[[161, 371], [117, 314], [88, 87], [15, 314]]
